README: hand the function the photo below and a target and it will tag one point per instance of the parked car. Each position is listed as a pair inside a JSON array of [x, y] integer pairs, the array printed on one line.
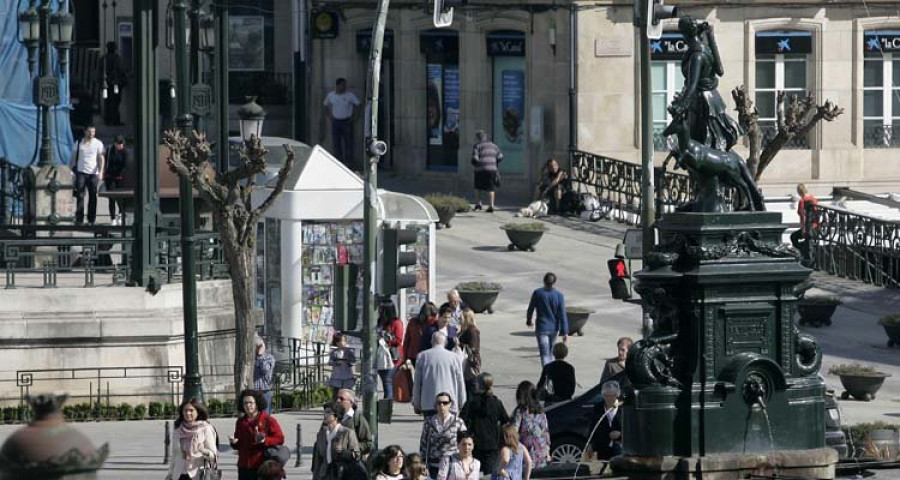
[[571, 424]]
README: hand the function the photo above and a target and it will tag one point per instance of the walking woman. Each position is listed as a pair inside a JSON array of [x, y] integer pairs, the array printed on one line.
[[415, 328], [439, 433], [336, 448], [485, 414], [531, 423], [461, 465], [254, 431], [390, 332], [470, 341], [194, 444]]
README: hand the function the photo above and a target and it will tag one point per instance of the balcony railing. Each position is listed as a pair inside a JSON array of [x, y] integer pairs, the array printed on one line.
[[854, 246], [881, 136]]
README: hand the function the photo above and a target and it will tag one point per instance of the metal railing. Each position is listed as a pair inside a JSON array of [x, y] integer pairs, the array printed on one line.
[[50, 255], [617, 184], [880, 136], [854, 246]]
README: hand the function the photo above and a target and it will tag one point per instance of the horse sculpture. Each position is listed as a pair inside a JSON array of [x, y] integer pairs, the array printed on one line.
[[710, 166]]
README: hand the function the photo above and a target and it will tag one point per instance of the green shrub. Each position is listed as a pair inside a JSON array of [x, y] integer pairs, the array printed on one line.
[[214, 407], [125, 411], [83, 411], [170, 410], [450, 202], [140, 411], [855, 369], [890, 320], [155, 410], [526, 226], [320, 395], [286, 400], [479, 287], [10, 414], [859, 433]]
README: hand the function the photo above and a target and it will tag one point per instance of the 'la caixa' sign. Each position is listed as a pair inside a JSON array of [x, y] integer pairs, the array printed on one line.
[[506, 44], [882, 41]]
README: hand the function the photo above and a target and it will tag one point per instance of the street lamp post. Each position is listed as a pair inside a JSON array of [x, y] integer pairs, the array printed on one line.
[[39, 30], [184, 121]]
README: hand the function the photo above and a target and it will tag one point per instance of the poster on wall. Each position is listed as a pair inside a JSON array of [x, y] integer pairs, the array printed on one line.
[[418, 295], [451, 105], [246, 43], [433, 110], [509, 127]]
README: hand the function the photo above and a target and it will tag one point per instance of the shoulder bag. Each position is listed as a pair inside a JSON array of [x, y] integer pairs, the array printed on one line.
[[279, 453], [209, 471]]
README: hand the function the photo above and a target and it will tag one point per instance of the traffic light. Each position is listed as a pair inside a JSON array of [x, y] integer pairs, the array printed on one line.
[[395, 260], [619, 276], [656, 12], [346, 296], [443, 12]]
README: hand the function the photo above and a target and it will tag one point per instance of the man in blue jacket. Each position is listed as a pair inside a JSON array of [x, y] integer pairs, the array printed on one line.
[[551, 317]]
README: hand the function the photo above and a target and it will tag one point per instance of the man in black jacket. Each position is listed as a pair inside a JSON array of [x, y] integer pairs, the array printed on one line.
[[485, 416]]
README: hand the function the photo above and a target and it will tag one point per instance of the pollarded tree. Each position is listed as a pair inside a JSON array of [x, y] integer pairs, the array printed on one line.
[[234, 217], [795, 118]]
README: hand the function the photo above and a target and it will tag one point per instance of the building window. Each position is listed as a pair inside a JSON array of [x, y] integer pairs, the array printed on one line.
[[667, 80], [881, 89], [442, 98], [782, 60]]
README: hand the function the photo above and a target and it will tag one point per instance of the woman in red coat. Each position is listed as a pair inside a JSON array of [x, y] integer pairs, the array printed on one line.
[[254, 432], [390, 344]]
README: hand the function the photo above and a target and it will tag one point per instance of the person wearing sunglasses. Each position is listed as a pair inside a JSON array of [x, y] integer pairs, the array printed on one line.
[[439, 433]]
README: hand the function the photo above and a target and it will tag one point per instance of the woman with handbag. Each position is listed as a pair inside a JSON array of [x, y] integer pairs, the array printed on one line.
[[470, 343], [390, 333], [336, 452], [194, 446], [255, 433]]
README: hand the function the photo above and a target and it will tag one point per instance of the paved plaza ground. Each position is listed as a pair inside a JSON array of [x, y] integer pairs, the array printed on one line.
[[475, 248]]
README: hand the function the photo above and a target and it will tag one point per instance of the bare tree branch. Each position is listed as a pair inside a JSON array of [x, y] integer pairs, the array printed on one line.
[[191, 170], [748, 117]]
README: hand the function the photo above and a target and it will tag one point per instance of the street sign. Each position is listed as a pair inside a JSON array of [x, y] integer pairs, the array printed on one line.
[[201, 99], [634, 238]]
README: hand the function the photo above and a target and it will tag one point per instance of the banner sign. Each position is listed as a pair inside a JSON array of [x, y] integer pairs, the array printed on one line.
[[434, 78], [779, 42], [451, 104], [671, 46], [882, 41], [506, 43]]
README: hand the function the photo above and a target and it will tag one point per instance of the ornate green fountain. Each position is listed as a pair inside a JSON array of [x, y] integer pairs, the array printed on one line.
[[725, 386]]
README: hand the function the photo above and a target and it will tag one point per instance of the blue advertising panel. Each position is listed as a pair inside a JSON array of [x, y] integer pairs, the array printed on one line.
[[434, 77], [509, 127], [451, 105]]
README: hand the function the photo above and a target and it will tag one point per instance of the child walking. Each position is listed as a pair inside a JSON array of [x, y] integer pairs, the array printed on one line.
[[342, 360], [515, 461]]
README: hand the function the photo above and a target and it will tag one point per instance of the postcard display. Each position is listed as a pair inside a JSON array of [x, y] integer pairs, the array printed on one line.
[[326, 244]]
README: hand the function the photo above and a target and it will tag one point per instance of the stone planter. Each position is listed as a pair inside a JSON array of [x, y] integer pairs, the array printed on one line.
[[816, 312], [893, 332], [862, 387], [480, 301], [524, 240], [445, 215], [577, 320]]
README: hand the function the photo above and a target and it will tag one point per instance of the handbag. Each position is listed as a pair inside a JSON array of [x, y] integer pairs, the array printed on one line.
[[279, 453], [471, 364], [209, 471]]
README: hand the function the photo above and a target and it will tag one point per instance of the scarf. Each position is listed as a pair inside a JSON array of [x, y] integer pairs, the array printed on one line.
[[187, 434]]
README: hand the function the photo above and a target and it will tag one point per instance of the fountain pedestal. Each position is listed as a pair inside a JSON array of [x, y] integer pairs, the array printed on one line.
[[726, 385]]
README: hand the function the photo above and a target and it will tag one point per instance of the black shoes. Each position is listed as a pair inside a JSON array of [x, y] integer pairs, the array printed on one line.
[[478, 206], [490, 210]]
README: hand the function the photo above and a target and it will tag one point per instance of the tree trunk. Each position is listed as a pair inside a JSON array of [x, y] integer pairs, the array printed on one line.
[[240, 262]]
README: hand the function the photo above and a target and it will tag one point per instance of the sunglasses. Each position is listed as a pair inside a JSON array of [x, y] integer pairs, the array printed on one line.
[[443, 402]]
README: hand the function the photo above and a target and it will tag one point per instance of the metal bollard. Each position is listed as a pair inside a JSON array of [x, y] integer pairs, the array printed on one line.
[[299, 461], [167, 441]]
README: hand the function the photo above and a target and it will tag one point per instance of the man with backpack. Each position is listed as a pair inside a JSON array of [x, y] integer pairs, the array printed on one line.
[[88, 165]]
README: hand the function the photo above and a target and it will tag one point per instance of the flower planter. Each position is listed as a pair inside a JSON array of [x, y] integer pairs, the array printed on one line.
[[892, 329], [445, 215], [523, 239], [577, 320], [816, 313], [862, 387], [480, 301]]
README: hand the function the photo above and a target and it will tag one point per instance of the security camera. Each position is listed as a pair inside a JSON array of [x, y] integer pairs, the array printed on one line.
[[378, 147]]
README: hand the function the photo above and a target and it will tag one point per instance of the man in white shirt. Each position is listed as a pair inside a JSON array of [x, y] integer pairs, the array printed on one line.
[[340, 106], [88, 163]]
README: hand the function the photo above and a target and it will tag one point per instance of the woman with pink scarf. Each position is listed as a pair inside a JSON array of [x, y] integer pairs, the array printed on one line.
[[193, 442]]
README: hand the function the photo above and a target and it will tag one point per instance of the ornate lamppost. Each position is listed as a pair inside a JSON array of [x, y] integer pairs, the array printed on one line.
[[39, 30]]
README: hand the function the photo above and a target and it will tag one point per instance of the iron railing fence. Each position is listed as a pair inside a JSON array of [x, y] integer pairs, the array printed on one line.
[[854, 246], [61, 255], [109, 393], [617, 184], [12, 193]]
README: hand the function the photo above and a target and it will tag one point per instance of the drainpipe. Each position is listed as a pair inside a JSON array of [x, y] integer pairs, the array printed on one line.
[[573, 84]]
